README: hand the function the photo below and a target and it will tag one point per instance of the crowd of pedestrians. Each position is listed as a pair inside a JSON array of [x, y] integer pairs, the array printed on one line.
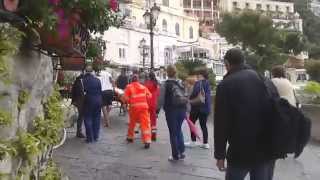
[[240, 111]]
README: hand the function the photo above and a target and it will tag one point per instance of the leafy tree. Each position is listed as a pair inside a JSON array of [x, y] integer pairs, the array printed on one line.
[[313, 69], [250, 29], [187, 67], [264, 44]]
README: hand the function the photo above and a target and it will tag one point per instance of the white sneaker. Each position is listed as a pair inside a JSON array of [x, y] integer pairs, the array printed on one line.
[[205, 146], [191, 144]]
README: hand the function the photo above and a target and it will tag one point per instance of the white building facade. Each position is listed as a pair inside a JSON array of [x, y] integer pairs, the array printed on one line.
[[283, 14], [173, 30], [315, 7]]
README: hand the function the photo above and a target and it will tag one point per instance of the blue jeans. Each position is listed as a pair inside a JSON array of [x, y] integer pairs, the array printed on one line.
[[92, 118], [175, 118], [263, 171]]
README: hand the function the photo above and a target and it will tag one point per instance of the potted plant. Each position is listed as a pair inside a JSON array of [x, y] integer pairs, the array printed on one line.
[[311, 107]]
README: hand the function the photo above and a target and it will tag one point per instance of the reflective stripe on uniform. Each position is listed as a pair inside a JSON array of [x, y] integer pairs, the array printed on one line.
[[141, 104], [137, 95]]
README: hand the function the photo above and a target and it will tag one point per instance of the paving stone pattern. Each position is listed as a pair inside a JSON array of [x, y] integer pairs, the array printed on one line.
[[113, 159]]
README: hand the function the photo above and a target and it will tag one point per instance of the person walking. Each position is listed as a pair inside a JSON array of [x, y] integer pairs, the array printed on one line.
[[137, 96], [240, 120], [122, 82], [107, 94], [283, 85], [174, 100], [77, 96], [92, 105], [201, 110], [153, 86]]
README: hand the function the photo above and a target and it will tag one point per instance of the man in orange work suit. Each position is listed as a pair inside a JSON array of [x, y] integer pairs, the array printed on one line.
[[137, 96]]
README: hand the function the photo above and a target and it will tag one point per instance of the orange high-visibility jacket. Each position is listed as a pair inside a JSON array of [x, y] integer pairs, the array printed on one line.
[[137, 95]]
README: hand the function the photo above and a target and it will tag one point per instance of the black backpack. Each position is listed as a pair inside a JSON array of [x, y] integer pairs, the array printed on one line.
[[290, 129], [179, 96]]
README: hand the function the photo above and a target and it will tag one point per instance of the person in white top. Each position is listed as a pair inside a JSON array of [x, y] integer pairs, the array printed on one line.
[[283, 85], [107, 94]]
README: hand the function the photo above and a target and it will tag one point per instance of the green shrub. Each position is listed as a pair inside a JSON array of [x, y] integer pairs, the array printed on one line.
[[313, 88], [313, 69], [5, 118]]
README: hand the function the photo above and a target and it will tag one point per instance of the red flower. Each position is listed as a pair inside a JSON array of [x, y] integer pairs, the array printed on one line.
[[113, 4]]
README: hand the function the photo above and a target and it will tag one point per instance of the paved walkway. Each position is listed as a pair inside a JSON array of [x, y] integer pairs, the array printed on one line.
[[112, 159]]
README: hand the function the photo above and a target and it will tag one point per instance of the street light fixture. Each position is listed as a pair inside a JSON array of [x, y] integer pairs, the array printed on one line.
[[143, 51], [150, 18]]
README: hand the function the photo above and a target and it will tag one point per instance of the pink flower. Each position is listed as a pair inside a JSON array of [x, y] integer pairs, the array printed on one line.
[[113, 5], [54, 2], [63, 29]]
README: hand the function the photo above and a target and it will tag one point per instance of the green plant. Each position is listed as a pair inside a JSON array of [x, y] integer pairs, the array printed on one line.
[[96, 14], [27, 147], [48, 129], [10, 39], [39, 13], [313, 88], [5, 118], [313, 69], [52, 172], [6, 149], [23, 98]]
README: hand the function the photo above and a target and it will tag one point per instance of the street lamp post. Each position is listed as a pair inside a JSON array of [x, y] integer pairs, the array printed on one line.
[[143, 51], [151, 21]]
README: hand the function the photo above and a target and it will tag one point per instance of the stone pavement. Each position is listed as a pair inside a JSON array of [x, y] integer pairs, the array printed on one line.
[[113, 159]]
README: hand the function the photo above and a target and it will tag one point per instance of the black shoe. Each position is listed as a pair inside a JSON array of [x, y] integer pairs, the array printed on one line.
[[182, 156], [173, 159], [80, 135], [129, 140], [147, 145]]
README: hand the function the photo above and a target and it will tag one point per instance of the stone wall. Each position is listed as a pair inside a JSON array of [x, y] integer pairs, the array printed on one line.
[[31, 74]]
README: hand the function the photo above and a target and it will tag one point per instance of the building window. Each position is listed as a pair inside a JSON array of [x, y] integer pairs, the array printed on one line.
[[235, 4], [127, 12], [207, 4], [167, 56], [268, 7], [177, 29], [191, 33], [259, 7], [197, 4], [247, 5], [288, 9], [277, 8], [165, 2], [187, 3], [122, 53], [164, 25]]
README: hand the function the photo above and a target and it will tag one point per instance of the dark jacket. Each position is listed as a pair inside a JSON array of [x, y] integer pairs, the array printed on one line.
[[240, 117], [92, 87], [77, 92], [166, 95], [206, 107]]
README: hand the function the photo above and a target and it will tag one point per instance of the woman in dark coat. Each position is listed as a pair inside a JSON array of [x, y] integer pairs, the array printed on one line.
[[201, 111]]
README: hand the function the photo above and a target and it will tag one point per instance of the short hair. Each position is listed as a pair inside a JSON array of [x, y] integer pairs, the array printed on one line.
[[234, 56], [171, 71], [203, 71], [278, 71]]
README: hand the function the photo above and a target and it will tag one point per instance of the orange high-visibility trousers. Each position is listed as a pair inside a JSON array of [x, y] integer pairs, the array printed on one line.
[[140, 116]]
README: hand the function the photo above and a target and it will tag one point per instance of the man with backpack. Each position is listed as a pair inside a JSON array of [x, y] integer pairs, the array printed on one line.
[[174, 101], [240, 120]]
